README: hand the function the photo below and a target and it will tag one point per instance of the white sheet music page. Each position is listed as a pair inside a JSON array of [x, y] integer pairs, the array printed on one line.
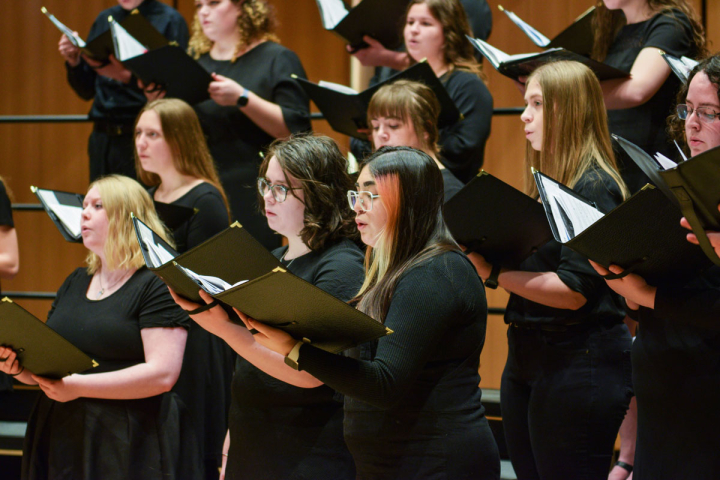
[[572, 216], [332, 12], [158, 254], [338, 87], [538, 38], [69, 215], [212, 285], [664, 161], [125, 44]]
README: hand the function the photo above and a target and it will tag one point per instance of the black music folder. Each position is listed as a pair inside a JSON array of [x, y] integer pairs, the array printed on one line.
[[235, 269], [681, 67], [490, 217], [64, 209], [578, 37], [101, 47], [514, 66], [642, 235], [692, 185], [39, 348], [379, 19], [346, 110]]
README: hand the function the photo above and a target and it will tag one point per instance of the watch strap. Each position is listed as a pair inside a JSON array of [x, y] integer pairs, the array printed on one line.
[[492, 280]]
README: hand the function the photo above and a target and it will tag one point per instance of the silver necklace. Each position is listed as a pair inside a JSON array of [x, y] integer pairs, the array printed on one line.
[[282, 259], [102, 289]]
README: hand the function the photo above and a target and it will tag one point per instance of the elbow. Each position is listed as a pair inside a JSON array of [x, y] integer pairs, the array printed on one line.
[[575, 301], [167, 381], [635, 97]]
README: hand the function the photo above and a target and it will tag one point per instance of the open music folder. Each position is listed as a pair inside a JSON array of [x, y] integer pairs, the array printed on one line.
[[681, 67], [523, 64], [39, 348], [346, 110], [379, 19], [578, 37], [642, 235], [101, 47], [64, 209], [692, 185], [501, 223], [235, 269]]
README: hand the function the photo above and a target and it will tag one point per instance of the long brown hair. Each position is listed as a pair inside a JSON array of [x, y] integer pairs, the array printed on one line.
[[316, 162], [575, 129], [413, 102], [256, 22], [607, 23], [457, 50], [411, 189], [182, 132]]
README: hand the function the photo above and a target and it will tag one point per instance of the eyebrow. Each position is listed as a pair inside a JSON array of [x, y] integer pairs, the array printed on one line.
[[369, 183]]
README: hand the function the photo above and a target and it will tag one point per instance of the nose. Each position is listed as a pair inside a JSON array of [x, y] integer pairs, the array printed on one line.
[[268, 196], [140, 141], [692, 120], [85, 212], [526, 117]]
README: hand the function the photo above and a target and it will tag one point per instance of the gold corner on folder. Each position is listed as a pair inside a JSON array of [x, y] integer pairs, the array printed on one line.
[[482, 173], [95, 364], [279, 270], [6, 299], [648, 186], [33, 189], [236, 224], [388, 330], [500, 7], [43, 9], [132, 215], [110, 19], [135, 12], [532, 169], [292, 75]]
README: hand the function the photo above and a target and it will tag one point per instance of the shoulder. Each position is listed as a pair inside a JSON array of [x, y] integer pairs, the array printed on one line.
[[344, 251], [465, 84], [669, 25], [596, 185], [205, 192], [78, 275], [451, 268]]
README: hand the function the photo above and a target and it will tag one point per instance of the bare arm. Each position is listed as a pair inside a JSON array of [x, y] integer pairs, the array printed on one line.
[[647, 75], [9, 257]]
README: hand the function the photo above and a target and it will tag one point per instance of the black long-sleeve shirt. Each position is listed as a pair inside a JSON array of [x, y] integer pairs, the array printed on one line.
[[115, 101]]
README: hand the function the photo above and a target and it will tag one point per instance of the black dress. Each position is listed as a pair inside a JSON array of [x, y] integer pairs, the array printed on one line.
[[676, 373], [88, 438], [6, 220], [566, 384], [204, 382], [412, 404], [279, 431], [116, 105], [451, 184], [236, 142], [644, 125]]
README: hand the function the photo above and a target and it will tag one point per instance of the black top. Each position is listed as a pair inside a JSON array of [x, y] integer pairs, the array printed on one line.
[[114, 101], [479, 16], [108, 330], [573, 269], [451, 184], [6, 217], [697, 304], [644, 125], [210, 217], [409, 374], [235, 141], [281, 431]]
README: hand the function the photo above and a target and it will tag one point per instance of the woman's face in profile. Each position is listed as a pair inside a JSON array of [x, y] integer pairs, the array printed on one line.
[[153, 150], [532, 116], [218, 18], [393, 132], [94, 222], [423, 33], [702, 132], [371, 217], [286, 217]]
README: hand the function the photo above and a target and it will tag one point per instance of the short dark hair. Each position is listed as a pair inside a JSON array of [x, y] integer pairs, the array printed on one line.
[[316, 161]]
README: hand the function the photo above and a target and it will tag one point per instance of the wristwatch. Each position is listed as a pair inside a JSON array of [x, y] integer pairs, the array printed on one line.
[[492, 281], [243, 98], [292, 358]]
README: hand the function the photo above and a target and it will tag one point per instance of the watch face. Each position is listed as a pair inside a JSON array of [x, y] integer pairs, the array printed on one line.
[[243, 100]]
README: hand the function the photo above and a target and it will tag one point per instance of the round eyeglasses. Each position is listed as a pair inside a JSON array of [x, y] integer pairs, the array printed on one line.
[[704, 114], [279, 192], [365, 199]]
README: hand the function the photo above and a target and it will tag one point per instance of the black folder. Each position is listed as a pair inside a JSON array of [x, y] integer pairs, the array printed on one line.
[[379, 19], [514, 66], [173, 215], [72, 200], [271, 294], [173, 70], [346, 112], [39, 348], [694, 186], [642, 235], [490, 217], [681, 67], [578, 37]]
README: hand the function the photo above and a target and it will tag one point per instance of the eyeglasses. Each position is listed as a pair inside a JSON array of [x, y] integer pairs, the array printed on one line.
[[365, 199], [704, 114], [279, 192]]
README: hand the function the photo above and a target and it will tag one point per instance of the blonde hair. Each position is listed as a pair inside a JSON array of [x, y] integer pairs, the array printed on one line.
[[256, 22], [410, 102], [183, 133], [575, 128], [607, 23], [120, 196]]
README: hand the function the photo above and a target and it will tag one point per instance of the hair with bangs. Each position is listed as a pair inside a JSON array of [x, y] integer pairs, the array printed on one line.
[[575, 129], [711, 67], [410, 102], [256, 22], [458, 52], [411, 189], [182, 131], [316, 162], [607, 23], [120, 196]]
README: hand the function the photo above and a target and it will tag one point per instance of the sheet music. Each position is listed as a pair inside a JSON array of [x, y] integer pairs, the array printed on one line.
[[158, 254], [212, 285], [69, 215], [665, 162], [682, 154], [337, 87], [497, 56], [126, 46], [572, 216], [537, 38], [74, 39], [332, 12]]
